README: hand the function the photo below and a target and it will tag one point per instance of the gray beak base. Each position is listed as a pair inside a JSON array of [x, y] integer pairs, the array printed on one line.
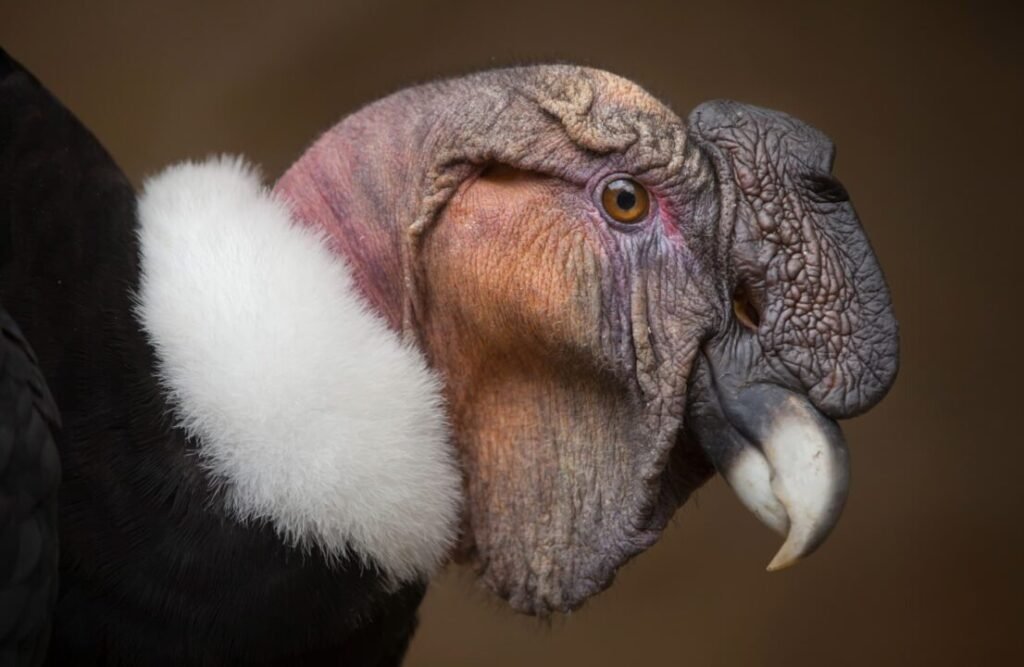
[[787, 462]]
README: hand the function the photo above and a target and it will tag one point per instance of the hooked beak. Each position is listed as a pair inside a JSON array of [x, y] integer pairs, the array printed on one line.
[[787, 462]]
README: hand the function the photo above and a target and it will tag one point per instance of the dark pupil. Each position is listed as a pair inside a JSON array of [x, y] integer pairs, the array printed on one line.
[[625, 200]]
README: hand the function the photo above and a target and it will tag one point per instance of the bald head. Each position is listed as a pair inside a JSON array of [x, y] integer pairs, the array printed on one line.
[[561, 251], [395, 163]]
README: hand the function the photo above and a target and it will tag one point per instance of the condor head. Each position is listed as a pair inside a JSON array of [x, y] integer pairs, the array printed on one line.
[[618, 303]]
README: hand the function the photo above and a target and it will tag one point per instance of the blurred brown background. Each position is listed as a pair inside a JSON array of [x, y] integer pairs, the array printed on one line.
[[924, 102]]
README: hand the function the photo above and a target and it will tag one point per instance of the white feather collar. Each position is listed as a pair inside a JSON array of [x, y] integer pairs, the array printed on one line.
[[314, 415]]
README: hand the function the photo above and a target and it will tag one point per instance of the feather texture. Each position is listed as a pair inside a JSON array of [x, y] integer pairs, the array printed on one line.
[[29, 476], [305, 405], [154, 570]]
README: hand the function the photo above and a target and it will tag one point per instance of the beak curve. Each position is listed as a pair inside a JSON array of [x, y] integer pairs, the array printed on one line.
[[786, 461]]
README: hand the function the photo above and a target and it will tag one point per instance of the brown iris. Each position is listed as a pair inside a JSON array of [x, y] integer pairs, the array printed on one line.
[[625, 200]]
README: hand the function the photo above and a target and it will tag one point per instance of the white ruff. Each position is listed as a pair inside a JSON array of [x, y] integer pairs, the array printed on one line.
[[311, 412]]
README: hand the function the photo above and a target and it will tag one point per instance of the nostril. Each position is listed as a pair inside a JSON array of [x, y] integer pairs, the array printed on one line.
[[745, 310], [824, 187]]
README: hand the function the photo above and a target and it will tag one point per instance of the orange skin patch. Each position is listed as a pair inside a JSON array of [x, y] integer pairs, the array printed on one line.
[[517, 268], [515, 303]]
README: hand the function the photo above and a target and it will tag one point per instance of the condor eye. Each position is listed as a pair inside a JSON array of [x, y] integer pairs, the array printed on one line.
[[625, 200]]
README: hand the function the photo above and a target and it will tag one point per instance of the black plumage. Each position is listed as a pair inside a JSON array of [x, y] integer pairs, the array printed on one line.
[[152, 571], [29, 476]]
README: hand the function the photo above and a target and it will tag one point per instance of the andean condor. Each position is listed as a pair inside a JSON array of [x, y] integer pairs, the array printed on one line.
[[512, 319]]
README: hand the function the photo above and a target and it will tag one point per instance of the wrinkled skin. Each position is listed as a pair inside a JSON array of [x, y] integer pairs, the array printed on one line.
[[798, 249], [596, 372]]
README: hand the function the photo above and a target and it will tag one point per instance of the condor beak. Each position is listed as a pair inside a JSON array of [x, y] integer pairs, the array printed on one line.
[[787, 462]]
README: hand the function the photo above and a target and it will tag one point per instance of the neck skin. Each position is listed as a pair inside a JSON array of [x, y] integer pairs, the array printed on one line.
[[540, 430], [358, 203]]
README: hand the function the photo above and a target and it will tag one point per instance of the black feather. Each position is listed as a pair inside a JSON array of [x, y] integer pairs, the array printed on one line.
[[29, 477]]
